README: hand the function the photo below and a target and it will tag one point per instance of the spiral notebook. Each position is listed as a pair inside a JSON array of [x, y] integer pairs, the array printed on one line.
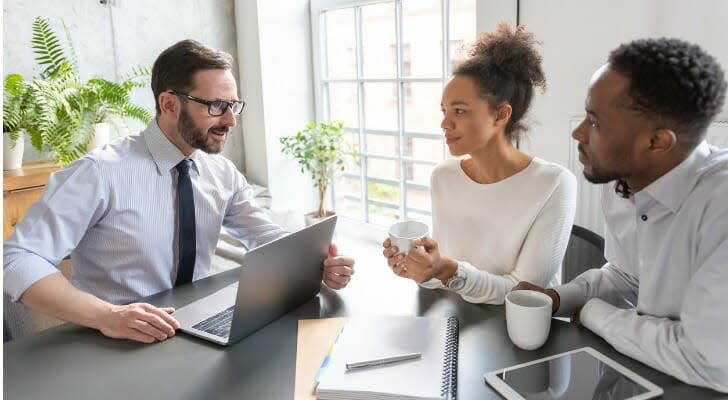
[[432, 376]]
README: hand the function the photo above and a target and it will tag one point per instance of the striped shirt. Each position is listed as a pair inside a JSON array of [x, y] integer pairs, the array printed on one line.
[[114, 212]]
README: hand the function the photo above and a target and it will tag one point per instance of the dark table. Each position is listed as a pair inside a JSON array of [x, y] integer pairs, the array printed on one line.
[[73, 362]]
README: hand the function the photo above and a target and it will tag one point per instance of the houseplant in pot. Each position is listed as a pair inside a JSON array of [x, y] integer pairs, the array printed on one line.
[[68, 109], [321, 151], [17, 111]]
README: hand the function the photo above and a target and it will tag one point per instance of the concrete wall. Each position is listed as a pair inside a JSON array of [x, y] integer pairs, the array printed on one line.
[[111, 39]]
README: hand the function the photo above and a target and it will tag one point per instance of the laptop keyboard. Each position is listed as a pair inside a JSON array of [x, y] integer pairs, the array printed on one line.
[[218, 324]]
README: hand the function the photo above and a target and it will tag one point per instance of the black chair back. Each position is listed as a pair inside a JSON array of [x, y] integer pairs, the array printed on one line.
[[585, 251]]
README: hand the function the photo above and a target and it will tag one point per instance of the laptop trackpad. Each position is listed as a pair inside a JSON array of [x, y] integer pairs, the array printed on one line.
[[207, 306]]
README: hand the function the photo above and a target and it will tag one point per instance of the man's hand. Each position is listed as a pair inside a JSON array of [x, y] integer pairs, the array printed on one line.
[[140, 322], [338, 269], [549, 292]]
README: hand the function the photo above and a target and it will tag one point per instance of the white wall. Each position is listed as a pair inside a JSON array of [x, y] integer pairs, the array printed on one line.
[[577, 37], [276, 77], [111, 39]]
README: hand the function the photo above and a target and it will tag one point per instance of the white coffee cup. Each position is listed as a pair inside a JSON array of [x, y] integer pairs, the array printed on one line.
[[403, 234], [528, 318]]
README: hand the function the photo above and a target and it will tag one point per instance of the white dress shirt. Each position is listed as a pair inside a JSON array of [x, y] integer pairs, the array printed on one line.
[[661, 298], [504, 232], [114, 212]]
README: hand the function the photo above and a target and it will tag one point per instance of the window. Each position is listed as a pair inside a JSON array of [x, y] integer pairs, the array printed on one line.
[[380, 67]]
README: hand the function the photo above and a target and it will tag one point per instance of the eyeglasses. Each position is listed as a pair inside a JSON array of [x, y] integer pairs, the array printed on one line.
[[215, 108]]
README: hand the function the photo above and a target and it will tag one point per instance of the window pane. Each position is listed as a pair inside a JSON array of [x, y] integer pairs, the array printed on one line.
[[383, 216], [383, 192], [380, 168], [422, 107], [351, 164], [419, 199], [348, 197], [418, 173], [341, 43], [382, 144], [378, 39], [462, 29], [424, 149], [422, 217], [421, 38], [343, 103], [380, 106]]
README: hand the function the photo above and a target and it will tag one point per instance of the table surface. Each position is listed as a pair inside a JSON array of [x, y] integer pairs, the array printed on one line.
[[80, 363]]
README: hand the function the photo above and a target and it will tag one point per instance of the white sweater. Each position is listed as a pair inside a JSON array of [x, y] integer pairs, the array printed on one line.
[[502, 233]]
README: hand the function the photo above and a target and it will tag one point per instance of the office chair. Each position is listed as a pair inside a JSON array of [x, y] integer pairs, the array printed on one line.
[[584, 251]]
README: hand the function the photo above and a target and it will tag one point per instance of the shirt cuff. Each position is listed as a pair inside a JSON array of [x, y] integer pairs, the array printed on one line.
[[594, 314], [24, 272], [571, 297]]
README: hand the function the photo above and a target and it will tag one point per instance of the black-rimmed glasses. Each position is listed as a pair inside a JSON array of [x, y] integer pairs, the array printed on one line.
[[215, 108]]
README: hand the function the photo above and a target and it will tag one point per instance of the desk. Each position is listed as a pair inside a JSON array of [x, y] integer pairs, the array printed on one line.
[[73, 362]]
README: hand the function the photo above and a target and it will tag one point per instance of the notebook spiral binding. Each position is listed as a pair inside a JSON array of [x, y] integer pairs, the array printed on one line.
[[449, 382]]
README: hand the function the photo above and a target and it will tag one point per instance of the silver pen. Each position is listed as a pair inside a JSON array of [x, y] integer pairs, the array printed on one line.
[[382, 361]]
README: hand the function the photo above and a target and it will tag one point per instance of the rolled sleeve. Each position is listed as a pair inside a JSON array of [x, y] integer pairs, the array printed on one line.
[[21, 272], [73, 200]]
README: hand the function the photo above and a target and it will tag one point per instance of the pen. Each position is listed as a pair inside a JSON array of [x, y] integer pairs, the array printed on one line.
[[383, 360]]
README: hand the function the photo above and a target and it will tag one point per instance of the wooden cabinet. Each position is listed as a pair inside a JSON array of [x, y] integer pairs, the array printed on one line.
[[21, 188]]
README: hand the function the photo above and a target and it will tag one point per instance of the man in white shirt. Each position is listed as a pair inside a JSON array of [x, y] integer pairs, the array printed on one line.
[[144, 214], [660, 298]]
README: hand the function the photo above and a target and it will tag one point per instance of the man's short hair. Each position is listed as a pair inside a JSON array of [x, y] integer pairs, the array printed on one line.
[[176, 67], [673, 82]]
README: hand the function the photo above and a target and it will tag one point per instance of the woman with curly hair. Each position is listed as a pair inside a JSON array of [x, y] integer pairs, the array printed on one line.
[[500, 215]]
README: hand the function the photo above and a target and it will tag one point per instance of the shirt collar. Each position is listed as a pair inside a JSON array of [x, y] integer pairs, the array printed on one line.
[[164, 153], [673, 188]]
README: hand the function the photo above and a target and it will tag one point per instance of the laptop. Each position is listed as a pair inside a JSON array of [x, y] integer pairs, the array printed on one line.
[[275, 278]]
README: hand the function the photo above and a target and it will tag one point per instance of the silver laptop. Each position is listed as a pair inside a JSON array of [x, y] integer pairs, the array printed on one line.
[[275, 278]]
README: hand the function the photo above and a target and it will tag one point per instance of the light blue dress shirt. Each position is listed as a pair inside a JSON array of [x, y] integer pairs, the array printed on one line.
[[661, 298], [114, 212]]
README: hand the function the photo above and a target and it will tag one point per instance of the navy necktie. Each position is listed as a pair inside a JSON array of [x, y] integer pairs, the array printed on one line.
[[186, 223]]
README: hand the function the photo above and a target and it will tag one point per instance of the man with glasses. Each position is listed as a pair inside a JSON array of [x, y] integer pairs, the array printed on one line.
[[143, 214]]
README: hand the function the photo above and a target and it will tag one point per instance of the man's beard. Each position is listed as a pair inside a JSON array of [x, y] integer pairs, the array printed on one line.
[[193, 135], [597, 175]]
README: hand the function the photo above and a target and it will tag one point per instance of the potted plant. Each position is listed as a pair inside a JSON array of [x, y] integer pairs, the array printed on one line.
[[319, 150], [17, 111], [68, 109]]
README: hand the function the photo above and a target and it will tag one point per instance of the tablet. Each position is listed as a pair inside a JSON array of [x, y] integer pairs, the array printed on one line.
[[578, 374]]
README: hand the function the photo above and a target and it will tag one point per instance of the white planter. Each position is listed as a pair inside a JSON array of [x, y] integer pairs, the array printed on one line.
[[310, 219], [101, 137], [13, 151]]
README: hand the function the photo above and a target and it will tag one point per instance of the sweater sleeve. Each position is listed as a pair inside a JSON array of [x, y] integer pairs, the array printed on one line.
[[541, 253]]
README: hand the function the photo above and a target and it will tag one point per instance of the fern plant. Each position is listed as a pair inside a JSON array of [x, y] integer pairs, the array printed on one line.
[[17, 106], [65, 108]]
